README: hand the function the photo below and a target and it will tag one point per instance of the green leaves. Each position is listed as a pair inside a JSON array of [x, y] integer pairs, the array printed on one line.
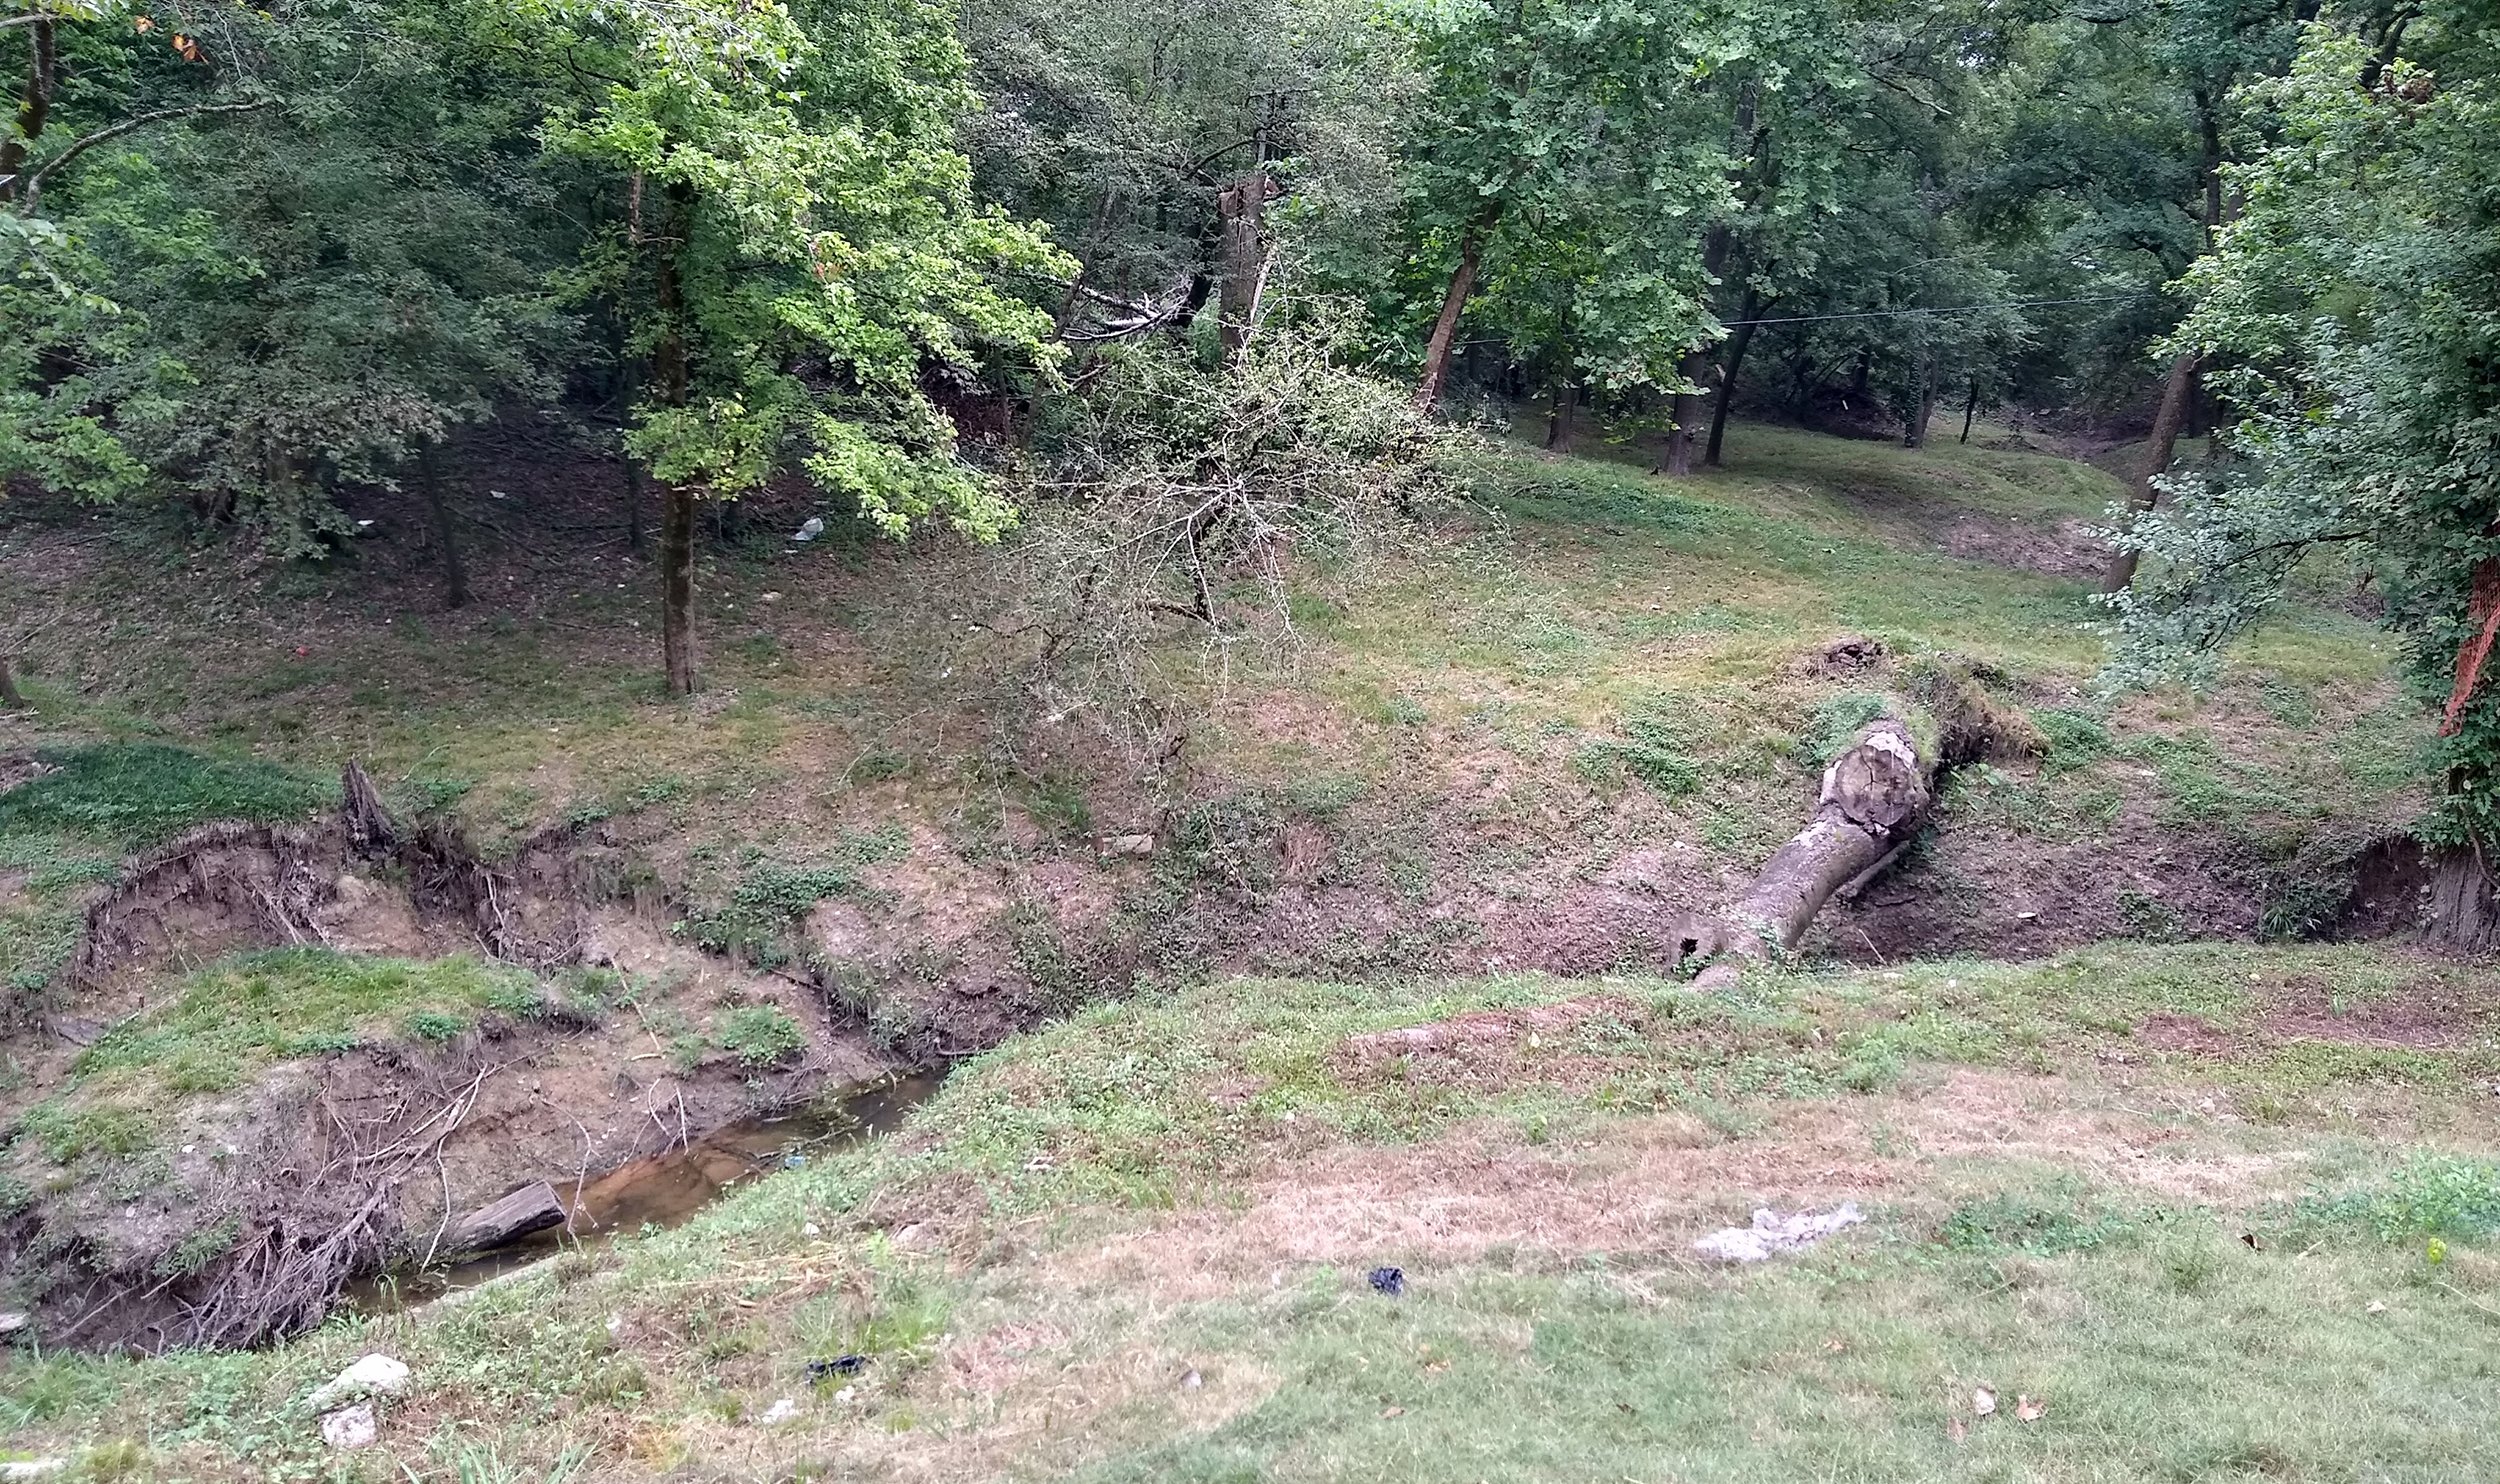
[[2355, 309], [796, 168]]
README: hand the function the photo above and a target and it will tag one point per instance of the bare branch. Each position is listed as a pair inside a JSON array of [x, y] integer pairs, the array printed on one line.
[[32, 184]]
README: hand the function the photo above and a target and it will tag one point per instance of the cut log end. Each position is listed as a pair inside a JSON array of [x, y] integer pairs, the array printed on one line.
[[1875, 795], [532, 1208]]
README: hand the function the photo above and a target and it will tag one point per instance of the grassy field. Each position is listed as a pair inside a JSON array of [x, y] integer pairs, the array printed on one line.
[[2225, 1207], [2224, 1213]]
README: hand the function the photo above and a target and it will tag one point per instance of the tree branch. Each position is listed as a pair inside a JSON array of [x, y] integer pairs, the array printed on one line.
[[33, 183]]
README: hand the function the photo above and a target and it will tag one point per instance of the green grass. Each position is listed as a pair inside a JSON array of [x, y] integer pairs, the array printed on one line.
[[760, 1036], [136, 793], [2166, 1345], [227, 1021]]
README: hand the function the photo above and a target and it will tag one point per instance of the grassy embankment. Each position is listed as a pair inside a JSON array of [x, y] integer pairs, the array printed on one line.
[[1094, 1214], [2225, 1210], [1618, 659]]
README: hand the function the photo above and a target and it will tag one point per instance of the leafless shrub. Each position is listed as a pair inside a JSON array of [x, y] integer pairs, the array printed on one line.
[[1180, 502]]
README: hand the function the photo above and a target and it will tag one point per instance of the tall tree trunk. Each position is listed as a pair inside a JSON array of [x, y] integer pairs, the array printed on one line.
[[1445, 328], [1684, 409], [1922, 411], [2179, 391], [455, 572], [2174, 399], [670, 366], [10, 697], [33, 109], [1737, 345], [1241, 210], [1970, 410], [677, 519], [1558, 420]]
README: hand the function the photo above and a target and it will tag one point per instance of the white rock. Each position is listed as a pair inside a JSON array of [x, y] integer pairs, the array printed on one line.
[[814, 528], [33, 1468], [11, 1323], [1772, 1233], [374, 1375], [778, 1413], [350, 1427]]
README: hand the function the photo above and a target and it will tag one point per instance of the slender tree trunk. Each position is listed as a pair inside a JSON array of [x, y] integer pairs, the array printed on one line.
[[446, 537], [2179, 391], [670, 366], [677, 520], [1684, 412], [1970, 410], [1558, 421], [1737, 345], [33, 109], [1445, 328], [1085, 262], [2173, 411], [1241, 210], [11, 698]]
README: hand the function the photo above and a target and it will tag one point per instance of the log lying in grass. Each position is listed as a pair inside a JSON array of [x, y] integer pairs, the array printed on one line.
[[1875, 796], [1874, 800]]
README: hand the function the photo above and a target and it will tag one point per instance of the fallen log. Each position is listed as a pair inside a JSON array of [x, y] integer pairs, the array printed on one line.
[[532, 1208], [1875, 795]]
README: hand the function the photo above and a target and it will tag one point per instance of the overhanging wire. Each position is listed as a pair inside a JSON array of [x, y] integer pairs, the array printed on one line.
[[1807, 319]]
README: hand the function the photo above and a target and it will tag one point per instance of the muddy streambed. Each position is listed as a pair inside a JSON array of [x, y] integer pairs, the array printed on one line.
[[662, 1190]]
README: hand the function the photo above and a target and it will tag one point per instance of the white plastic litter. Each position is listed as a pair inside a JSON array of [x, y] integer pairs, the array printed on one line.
[[814, 528], [374, 1375], [1772, 1234]]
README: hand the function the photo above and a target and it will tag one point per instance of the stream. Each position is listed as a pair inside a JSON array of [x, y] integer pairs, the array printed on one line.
[[663, 1190]]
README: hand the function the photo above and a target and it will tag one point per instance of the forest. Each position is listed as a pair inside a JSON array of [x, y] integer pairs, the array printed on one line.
[[1573, 739]]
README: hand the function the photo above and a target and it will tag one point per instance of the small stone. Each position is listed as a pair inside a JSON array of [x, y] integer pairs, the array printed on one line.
[[1983, 1401], [350, 1427], [2378, 1306], [11, 1323], [811, 1229], [374, 1375], [778, 1413], [1191, 1381], [1389, 1282], [1128, 845], [33, 1468]]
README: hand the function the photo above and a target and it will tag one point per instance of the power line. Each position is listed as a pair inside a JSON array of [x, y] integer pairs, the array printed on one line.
[[1807, 319]]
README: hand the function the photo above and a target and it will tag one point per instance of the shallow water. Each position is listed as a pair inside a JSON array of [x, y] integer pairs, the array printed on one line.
[[663, 1190]]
